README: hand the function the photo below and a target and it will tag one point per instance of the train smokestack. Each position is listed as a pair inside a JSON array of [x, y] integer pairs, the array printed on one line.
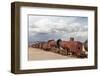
[[71, 38]]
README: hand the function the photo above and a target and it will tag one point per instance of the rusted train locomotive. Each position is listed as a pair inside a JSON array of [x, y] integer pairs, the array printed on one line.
[[72, 47]]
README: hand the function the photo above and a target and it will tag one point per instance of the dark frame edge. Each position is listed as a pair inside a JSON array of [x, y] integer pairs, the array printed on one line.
[[56, 69], [51, 5], [12, 37], [96, 37]]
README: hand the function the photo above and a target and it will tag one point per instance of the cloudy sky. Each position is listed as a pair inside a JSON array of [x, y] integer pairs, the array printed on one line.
[[43, 28]]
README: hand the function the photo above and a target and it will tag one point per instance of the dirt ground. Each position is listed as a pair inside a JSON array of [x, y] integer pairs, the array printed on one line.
[[38, 54]]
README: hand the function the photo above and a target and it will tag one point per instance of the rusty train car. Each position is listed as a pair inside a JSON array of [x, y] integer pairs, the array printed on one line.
[[73, 47], [69, 47]]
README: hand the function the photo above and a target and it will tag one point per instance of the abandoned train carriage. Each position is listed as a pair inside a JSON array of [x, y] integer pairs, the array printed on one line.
[[72, 47]]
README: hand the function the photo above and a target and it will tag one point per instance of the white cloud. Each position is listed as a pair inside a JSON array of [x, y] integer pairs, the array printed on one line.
[[63, 26]]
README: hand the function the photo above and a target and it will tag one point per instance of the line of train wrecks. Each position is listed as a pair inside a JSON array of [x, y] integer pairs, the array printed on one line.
[[67, 48]]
